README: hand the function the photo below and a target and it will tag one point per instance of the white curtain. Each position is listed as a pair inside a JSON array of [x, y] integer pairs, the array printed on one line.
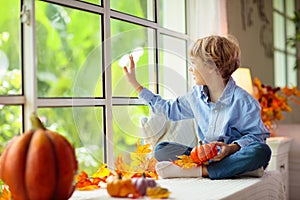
[[207, 17]]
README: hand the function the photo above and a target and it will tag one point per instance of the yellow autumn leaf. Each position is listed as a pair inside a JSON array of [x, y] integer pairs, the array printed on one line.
[[152, 174], [143, 148], [139, 160], [158, 192], [102, 172], [185, 161]]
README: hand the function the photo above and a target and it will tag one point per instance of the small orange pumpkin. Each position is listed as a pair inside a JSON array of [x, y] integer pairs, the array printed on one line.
[[39, 164], [204, 152], [122, 187]]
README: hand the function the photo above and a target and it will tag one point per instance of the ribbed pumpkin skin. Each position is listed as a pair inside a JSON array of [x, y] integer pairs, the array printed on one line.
[[39, 165], [203, 153]]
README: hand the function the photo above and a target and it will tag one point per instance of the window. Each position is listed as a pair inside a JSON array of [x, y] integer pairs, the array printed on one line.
[[284, 54], [64, 61]]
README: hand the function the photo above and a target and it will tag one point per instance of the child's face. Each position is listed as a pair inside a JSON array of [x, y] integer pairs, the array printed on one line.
[[195, 68]]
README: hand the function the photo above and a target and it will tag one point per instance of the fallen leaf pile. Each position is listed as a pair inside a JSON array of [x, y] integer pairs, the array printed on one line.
[[142, 165]]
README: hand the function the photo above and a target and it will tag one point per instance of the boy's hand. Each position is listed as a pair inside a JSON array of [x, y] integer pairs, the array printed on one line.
[[226, 150], [130, 75]]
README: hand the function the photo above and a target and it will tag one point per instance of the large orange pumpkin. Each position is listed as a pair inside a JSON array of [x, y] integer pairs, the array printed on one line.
[[204, 152], [39, 164]]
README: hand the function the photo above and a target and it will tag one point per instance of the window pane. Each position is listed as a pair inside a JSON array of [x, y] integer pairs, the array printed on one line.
[[172, 15], [278, 5], [279, 69], [10, 69], [140, 8], [290, 7], [292, 71], [132, 39], [173, 67], [279, 31], [10, 124], [291, 32], [84, 133], [126, 128], [68, 53]]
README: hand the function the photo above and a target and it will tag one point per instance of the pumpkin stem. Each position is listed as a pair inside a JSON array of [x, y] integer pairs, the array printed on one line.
[[120, 175], [36, 122], [200, 142]]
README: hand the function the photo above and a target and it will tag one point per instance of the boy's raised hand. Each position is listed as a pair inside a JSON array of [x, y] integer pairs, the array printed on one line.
[[130, 75]]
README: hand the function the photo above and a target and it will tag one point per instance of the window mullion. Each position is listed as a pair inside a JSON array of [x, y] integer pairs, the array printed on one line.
[[108, 130], [29, 63]]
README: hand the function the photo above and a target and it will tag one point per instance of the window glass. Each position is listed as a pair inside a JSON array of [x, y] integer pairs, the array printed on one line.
[[173, 67], [279, 69], [172, 15], [140, 8], [279, 34], [84, 133], [69, 52], [291, 32], [278, 5], [138, 41], [10, 124], [290, 7], [291, 71], [126, 128], [10, 68]]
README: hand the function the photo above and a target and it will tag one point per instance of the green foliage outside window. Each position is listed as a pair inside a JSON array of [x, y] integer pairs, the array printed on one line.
[[69, 42], [10, 74]]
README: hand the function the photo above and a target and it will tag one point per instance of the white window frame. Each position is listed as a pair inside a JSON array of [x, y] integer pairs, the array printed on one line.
[[29, 99]]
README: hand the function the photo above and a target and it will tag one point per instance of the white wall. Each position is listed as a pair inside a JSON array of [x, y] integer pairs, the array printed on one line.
[[251, 23]]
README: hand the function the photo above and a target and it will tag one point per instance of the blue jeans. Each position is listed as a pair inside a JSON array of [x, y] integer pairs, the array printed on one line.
[[248, 158]]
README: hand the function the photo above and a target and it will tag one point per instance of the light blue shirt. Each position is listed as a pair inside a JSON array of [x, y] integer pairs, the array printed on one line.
[[234, 118]]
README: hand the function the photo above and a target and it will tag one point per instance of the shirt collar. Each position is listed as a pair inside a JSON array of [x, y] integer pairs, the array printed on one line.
[[202, 93], [228, 92], [225, 97]]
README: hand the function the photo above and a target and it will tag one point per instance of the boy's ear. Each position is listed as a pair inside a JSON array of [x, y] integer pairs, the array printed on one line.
[[211, 67]]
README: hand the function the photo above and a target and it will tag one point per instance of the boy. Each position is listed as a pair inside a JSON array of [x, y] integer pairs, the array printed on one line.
[[225, 114]]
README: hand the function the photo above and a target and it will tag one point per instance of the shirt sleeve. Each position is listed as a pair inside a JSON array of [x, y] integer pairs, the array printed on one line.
[[251, 126], [177, 109]]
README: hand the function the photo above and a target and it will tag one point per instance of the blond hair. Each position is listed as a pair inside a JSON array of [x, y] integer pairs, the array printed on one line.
[[223, 52]]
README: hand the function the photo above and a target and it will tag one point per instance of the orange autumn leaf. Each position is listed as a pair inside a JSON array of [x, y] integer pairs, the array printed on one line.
[[84, 182], [151, 164], [82, 176], [185, 161], [274, 101], [5, 194], [122, 168], [89, 187]]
